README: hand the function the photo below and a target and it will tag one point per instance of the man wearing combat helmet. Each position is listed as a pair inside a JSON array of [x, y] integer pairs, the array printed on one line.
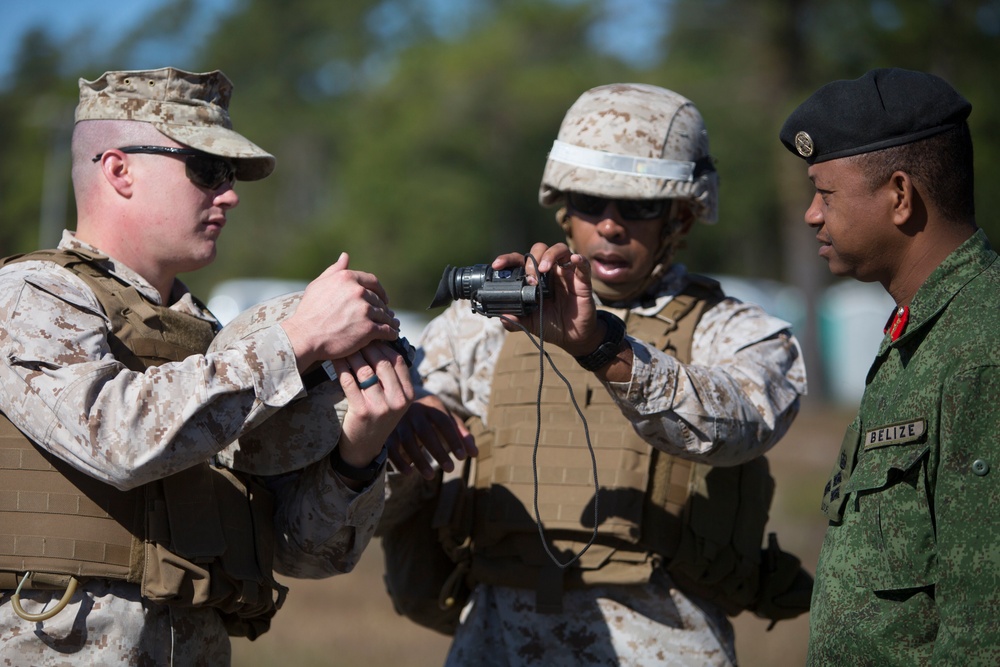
[[674, 379], [122, 539]]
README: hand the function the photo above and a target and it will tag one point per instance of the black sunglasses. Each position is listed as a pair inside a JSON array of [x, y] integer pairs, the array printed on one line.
[[203, 169], [630, 209]]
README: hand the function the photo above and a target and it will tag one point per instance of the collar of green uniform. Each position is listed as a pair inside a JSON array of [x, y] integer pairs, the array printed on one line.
[[965, 263]]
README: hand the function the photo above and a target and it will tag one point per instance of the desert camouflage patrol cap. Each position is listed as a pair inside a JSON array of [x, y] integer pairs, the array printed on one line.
[[190, 108], [885, 107]]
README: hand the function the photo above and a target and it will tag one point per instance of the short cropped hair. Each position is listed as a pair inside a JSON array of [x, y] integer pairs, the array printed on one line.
[[941, 165]]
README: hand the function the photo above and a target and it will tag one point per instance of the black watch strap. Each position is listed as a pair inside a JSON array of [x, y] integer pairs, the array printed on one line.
[[364, 474], [609, 348], [317, 376]]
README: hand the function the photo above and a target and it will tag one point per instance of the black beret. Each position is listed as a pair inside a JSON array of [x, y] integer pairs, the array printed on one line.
[[885, 107]]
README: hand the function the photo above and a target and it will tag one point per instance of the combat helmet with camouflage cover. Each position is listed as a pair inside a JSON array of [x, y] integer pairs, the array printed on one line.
[[633, 141]]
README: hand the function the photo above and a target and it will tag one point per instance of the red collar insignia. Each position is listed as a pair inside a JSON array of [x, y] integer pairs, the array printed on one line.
[[897, 323]]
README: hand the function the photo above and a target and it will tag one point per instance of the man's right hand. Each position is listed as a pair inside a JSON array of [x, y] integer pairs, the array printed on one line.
[[571, 315], [571, 320], [340, 312]]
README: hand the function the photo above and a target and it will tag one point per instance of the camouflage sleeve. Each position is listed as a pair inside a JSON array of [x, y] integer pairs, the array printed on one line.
[[458, 353], [734, 400], [322, 526], [62, 386], [966, 493]]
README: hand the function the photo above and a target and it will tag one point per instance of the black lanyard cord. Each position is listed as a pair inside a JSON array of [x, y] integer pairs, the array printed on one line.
[[542, 356]]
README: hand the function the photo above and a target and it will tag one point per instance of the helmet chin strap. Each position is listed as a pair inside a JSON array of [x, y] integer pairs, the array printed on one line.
[[674, 231]]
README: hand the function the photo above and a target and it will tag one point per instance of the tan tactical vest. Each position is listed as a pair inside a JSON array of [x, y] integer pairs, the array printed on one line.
[[705, 524], [201, 537]]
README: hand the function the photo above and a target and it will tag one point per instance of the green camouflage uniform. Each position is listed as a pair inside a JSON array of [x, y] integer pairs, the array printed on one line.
[[909, 573]]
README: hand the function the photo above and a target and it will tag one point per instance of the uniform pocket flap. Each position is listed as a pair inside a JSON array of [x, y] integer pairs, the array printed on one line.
[[877, 467]]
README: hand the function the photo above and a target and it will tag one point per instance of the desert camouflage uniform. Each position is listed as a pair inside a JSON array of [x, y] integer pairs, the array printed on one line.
[[61, 386], [731, 404], [909, 573]]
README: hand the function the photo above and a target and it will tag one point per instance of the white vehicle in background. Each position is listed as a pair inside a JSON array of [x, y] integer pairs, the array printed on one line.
[[231, 297]]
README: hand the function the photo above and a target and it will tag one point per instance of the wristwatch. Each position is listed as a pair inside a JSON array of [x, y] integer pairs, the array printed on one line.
[[365, 473], [605, 353]]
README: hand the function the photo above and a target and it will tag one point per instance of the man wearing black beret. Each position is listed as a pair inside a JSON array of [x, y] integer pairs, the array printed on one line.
[[909, 572]]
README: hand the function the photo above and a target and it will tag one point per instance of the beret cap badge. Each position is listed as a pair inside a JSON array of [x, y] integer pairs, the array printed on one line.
[[803, 143]]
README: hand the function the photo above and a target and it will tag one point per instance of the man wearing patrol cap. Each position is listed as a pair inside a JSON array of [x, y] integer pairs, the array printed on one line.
[[119, 542], [908, 572], [673, 377]]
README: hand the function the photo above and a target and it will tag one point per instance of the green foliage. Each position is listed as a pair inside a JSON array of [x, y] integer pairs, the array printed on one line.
[[38, 106], [433, 157], [414, 138], [442, 162]]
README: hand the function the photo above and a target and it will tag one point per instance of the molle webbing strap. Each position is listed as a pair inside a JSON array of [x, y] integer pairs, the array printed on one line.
[[55, 519]]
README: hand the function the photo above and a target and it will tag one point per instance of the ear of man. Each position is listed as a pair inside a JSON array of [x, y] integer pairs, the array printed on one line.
[[906, 200], [117, 172]]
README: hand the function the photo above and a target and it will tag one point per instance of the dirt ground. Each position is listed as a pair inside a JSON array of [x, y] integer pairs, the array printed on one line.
[[348, 621]]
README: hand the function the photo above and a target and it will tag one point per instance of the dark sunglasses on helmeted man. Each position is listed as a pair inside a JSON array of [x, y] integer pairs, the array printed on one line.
[[203, 169], [630, 209]]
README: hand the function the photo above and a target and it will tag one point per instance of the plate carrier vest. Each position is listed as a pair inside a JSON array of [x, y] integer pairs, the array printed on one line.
[[704, 524], [200, 537]]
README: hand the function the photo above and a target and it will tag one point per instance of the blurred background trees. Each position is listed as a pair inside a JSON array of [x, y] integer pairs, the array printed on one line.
[[412, 133]]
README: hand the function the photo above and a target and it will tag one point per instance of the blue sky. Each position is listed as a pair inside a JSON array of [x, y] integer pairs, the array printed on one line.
[[62, 18], [94, 20], [98, 20]]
